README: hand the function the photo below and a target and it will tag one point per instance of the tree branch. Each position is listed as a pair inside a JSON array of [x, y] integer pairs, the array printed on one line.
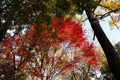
[[1, 10], [96, 7], [108, 13], [114, 23], [105, 7]]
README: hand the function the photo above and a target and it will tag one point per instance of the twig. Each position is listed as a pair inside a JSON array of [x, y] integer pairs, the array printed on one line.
[[6, 7], [108, 13], [114, 23]]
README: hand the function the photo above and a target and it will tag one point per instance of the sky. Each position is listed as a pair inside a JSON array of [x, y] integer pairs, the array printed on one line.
[[113, 35]]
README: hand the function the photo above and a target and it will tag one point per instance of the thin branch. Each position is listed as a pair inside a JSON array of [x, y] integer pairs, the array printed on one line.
[[108, 13], [105, 6], [114, 23], [100, 1], [96, 7], [74, 76], [84, 20], [6, 7], [94, 36]]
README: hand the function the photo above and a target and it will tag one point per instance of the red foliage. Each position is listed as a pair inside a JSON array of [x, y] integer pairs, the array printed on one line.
[[17, 50]]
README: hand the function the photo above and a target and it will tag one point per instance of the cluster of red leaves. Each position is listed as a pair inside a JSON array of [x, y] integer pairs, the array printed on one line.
[[14, 52], [17, 50]]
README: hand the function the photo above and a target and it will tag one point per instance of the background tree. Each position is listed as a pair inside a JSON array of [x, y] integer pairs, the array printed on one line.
[[36, 51]]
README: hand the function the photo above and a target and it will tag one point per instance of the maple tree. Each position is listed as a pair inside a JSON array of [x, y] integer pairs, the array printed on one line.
[[35, 51], [17, 14]]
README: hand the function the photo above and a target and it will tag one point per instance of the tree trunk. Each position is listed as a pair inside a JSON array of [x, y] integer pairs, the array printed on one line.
[[15, 73], [111, 54], [3, 29]]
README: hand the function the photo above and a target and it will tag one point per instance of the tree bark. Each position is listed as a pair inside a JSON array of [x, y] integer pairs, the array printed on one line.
[[3, 29], [111, 55]]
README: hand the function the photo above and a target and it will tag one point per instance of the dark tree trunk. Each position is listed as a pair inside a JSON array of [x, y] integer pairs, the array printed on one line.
[[111, 54], [3, 29]]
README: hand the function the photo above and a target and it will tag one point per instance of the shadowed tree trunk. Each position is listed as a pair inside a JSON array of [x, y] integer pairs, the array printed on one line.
[[111, 54], [3, 29]]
